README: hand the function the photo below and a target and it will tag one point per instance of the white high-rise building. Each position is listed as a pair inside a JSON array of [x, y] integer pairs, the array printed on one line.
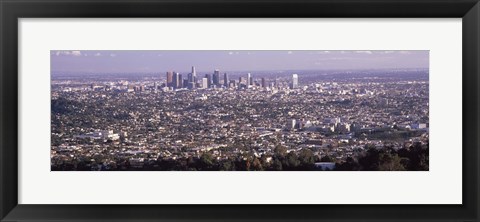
[[291, 123], [249, 79], [294, 81], [205, 83]]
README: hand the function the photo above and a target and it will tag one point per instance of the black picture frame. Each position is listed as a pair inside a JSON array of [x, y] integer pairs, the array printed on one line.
[[12, 10]]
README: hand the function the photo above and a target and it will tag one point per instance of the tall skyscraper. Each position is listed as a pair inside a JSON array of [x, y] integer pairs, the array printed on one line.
[[190, 77], [175, 80], [231, 83], [264, 83], [225, 80], [294, 81], [191, 85], [185, 83], [249, 79], [169, 79], [180, 81], [209, 80], [241, 80], [194, 74], [216, 77], [205, 83]]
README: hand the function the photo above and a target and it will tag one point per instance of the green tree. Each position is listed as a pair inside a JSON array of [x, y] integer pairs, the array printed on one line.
[[327, 158], [227, 165], [370, 160], [349, 165], [389, 162], [280, 151], [291, 161], [277, 165], [206, 161], [307, 159], [257, 165]]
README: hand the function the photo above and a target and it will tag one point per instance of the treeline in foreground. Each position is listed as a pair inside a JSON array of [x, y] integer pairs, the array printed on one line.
[[413, 158]]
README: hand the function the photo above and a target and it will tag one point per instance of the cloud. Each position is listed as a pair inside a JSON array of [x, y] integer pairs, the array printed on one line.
[[290, 52], [394, 51], [230, 53], [320, 52], [76, 53], [68, 53], [384, 52], [98, 54], [364, 52]]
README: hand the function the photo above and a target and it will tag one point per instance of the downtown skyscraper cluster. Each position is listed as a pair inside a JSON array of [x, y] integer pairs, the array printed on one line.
[[175, 81]]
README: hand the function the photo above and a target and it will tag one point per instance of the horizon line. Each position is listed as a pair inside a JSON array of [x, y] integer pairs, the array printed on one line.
[[269, 70]]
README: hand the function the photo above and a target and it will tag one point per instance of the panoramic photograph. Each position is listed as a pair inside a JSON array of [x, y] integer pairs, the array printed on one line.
[[239, 110]]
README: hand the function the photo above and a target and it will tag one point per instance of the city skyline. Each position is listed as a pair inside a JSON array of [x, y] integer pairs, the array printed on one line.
[[175, 80], [152, 61]]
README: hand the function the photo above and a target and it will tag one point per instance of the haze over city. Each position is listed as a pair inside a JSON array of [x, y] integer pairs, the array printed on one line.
[[149, 61]]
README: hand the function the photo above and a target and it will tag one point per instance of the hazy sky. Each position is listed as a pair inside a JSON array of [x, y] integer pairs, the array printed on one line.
[[145, 61]]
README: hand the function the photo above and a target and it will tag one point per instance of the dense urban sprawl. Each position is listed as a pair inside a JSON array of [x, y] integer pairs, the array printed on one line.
[[361, 120]]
